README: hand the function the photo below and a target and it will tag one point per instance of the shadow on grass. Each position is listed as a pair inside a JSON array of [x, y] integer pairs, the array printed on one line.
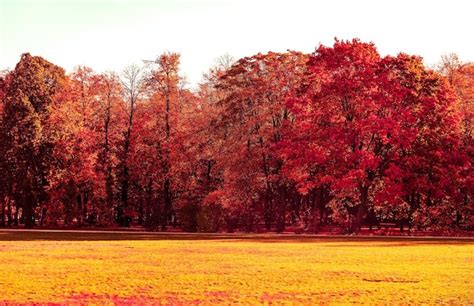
[[52, 235]]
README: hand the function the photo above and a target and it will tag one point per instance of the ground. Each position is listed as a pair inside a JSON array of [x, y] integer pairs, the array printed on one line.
[[131, 268]]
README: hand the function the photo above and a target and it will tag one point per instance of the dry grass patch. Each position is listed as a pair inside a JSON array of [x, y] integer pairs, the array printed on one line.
[[247, 270]]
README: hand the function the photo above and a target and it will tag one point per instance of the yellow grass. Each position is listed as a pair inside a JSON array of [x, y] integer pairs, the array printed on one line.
[[247, 270]]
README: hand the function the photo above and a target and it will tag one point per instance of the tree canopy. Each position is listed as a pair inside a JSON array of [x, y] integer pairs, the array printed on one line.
[[342, 138]]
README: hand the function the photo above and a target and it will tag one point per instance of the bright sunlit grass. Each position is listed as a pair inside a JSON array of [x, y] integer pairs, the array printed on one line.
[[193, 269]]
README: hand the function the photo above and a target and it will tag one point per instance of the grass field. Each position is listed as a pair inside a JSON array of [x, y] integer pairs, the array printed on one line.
[[121, 268]]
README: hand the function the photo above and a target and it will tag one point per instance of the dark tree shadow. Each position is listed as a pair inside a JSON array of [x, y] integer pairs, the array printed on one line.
[[336, 241]]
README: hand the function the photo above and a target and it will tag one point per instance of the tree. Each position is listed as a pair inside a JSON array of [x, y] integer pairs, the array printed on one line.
[[35, 84], [4, 179], [110, 123], [365, 125], [133, 82], [252, 111], [461, 78], [83, 188], [165, 83]]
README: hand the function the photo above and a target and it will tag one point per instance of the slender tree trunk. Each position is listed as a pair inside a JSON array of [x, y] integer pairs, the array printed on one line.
[[43, 215], [268, 203], [109, 192], [314, 227], [122, 219], [2, 214], [109, 196], [250, 217], [78, 212], [132, 76], [15, 218], [281, 217], [268, 211], [85, 209], [361, 210], [28, 211], [9, 212], [320, 197], [167, 203], [121, 209]]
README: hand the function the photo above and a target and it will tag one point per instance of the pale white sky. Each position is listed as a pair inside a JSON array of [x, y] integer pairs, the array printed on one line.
[[110, 34]]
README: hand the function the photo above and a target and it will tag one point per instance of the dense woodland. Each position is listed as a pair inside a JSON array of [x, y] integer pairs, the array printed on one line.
[[341, 138]]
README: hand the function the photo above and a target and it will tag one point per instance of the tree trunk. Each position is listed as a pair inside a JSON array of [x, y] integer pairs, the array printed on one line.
[[361, 210], [122, 219], [85, 202], [109, 197], [15, 217], [371, 218], [28, 211], [250, 217], [2, 214], [167, 197], [314, 227], [79, 210], [9, 214], [320, 198], [167, 203], [43, 214], [268, 211], [281, 215]]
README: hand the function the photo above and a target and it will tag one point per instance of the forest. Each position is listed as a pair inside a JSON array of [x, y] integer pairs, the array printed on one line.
[[341, 138]]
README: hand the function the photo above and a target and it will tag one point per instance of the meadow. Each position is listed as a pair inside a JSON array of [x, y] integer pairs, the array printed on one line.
[[131, 268]]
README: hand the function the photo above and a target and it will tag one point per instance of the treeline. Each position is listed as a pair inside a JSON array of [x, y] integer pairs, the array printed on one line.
[[341, 137]]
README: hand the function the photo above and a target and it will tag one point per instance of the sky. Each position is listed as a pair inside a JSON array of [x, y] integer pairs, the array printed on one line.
[[111, 34]]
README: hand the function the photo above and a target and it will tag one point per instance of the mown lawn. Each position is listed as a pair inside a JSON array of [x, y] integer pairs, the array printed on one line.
[[107, 268]]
